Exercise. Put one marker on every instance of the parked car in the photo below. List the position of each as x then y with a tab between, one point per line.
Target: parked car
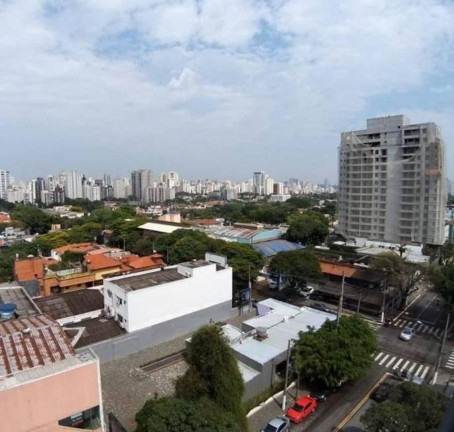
278	424
301	409
407	333
306	292
319	394
380	394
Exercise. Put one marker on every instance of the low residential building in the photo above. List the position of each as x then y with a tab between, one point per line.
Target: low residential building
261	345
72	307
38	277
148	298
45	386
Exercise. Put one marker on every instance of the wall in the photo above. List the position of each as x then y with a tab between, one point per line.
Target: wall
50	399
130	343
80	317
160	303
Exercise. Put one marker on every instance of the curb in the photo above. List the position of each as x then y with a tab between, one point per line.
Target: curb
269	400
360	404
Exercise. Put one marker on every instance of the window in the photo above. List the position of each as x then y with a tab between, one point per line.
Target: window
109	293
119	318
119	301
85	420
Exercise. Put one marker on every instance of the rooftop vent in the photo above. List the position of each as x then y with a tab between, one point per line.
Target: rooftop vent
26	330
261	333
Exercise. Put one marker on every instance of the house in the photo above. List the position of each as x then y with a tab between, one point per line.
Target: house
72	307
145	299
261	345
45	385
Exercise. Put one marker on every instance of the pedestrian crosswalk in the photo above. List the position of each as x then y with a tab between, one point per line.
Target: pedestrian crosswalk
450	362
419	327
399	364
375	325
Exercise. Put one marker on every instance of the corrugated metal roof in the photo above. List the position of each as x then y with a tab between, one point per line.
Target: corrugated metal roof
272	247
26	343
162	228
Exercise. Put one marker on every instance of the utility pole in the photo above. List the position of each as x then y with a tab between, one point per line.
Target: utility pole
341	299
359	303
383	307
442	348
284	398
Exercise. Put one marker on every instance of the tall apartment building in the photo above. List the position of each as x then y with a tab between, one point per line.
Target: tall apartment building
258	181
4	183
73	184
392	182
141	180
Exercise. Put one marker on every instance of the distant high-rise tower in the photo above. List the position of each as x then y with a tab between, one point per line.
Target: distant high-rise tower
258	181
73	184
4	183
141	180
392	182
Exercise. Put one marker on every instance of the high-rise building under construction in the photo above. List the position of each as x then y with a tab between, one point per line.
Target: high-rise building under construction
392	182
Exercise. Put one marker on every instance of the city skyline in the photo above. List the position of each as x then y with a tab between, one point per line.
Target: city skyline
119	85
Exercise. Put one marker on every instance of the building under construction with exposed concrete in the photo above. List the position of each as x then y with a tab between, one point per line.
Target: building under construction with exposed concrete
392	182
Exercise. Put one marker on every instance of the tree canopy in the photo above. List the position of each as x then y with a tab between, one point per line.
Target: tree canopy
409	408
442	278
213	373
181	415
297	266
330	356
32	218
398	273
309	228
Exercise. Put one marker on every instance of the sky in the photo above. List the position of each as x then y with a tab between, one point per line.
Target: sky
214	88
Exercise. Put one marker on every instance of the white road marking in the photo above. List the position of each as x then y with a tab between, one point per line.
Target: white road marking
383	359
417	326
435	333
423	375
378	356
391	361
398	363
405	365
419	370
449	367
425	328
397	323
412	367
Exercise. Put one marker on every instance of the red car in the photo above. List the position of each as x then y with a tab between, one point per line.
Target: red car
301	409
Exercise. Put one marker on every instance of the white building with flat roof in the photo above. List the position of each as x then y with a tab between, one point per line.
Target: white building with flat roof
148	298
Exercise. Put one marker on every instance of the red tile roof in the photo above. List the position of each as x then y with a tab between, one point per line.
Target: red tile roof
334	269
4	218
100	262
31	268
134	262
77	247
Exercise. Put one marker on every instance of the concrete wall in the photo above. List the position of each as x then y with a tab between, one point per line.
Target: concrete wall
45	401
205	287
139	340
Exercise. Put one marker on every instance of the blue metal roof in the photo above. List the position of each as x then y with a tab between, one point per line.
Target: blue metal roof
271	248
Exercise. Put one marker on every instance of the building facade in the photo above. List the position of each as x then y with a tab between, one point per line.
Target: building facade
392	182
4	183
141	180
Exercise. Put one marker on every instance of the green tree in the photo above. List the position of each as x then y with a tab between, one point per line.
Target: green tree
87	232
52	240
245	261
213	373
333	355
410	407
32	218
399	274
8	255
310	228
297	266
442	278
181	415
301	202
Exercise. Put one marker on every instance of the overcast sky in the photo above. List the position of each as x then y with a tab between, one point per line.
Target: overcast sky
214	88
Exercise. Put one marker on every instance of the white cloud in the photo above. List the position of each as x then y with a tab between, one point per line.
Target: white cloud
243	84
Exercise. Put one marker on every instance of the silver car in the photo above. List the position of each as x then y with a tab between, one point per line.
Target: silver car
278	424
407	333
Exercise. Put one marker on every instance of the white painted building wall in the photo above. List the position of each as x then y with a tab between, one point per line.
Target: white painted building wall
204	287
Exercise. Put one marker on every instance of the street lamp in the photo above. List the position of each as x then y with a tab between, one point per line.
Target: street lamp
284	399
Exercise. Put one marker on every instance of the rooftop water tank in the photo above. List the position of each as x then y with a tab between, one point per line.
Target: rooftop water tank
7	310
